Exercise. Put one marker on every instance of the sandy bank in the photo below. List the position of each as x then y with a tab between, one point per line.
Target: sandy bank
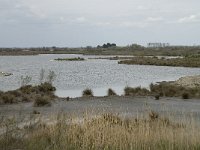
189	81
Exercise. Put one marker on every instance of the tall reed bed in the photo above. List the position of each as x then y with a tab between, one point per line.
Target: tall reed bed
107	131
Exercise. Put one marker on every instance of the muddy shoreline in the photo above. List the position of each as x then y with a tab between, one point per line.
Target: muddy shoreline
123	105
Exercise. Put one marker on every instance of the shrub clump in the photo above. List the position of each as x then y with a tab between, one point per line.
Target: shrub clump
87	92
185	95
46	87
138	91
42	101
171	90
38	94
157	97
111	92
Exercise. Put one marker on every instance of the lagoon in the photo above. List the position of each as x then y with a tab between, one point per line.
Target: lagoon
75	76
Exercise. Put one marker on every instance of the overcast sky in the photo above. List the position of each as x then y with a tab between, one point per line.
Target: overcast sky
74	23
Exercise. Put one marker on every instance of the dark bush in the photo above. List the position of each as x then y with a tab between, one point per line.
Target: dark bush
8	98
42	101
46	87
111	92
170	90
157	97
87	92
185	95
36	112
138	91
27	89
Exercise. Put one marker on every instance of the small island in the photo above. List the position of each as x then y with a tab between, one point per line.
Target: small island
5	74
70	59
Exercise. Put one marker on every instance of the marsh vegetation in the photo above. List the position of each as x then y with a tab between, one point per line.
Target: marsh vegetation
176	62
41	94
70	59
107	49
164	89
107	131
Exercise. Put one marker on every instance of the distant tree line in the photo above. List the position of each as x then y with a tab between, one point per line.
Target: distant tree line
108	45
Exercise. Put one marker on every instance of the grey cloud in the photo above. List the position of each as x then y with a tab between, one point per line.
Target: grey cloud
76	23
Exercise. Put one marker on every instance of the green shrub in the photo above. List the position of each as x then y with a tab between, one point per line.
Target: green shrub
87	92
138	91
27	89
185	95
42	101
46	87
157	97
127	91
170	90
26	98
8	98
111	92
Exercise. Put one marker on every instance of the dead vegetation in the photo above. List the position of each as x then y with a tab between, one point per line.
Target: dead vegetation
108	131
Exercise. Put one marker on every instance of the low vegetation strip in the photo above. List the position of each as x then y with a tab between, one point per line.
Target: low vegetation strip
41	95
108	132
164	89
134	49
70	59
176	62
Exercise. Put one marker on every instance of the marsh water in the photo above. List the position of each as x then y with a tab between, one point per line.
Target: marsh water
75	76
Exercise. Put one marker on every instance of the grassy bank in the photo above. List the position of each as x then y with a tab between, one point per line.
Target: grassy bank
177	62
108	132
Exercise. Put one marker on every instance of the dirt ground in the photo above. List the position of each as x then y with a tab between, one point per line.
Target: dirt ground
124	106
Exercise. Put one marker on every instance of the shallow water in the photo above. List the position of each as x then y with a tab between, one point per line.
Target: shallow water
99	75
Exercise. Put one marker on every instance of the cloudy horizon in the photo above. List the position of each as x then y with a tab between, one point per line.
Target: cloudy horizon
64	23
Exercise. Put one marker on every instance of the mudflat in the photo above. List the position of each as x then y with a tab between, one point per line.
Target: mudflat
125	106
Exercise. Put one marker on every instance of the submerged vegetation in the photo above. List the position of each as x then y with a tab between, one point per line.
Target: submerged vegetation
107	132
179	62
70	59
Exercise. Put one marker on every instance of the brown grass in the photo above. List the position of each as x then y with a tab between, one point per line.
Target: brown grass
107	132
